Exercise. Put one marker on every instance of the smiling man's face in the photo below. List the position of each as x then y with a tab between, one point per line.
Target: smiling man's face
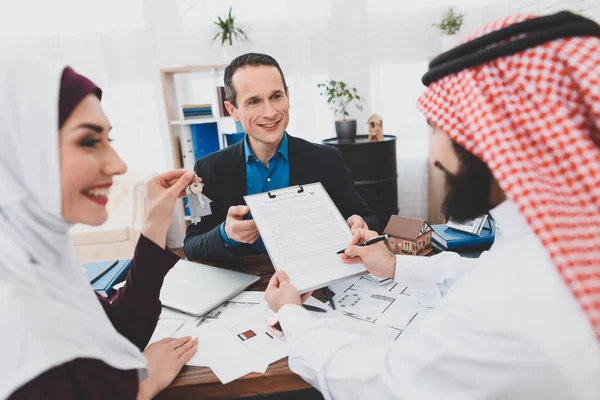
262	103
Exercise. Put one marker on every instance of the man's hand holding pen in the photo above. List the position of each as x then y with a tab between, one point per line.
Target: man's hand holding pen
377	258
369	242
375	255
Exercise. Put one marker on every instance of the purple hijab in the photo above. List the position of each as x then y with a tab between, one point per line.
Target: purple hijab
73	89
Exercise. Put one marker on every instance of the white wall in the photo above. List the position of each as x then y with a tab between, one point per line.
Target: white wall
588	8
380	46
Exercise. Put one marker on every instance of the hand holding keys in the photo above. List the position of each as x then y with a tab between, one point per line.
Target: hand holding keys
196	188
162	192
198	203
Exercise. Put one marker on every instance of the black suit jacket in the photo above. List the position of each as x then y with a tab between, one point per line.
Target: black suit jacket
224	176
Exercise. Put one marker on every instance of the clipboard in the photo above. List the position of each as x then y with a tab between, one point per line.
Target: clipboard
302	230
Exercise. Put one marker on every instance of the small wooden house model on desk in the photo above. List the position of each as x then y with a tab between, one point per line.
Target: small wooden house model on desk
408	236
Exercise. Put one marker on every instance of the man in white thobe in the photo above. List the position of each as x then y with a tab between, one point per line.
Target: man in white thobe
523	322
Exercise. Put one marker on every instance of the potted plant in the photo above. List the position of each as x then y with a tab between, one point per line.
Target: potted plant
449	26
339	97
230	36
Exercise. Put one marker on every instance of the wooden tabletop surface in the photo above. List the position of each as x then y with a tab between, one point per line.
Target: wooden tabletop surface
201	383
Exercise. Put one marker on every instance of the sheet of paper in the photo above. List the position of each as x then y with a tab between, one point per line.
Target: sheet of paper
341	286
236	343
376	279
228	371
170	323
219	351
253	334
165	328
383	310
311	301
173	323
236	307
302	233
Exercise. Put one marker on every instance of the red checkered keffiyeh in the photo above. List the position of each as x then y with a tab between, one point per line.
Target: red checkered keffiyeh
530	117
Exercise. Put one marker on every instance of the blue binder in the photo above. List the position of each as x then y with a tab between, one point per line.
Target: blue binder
233	138
205	138
103	286
186	209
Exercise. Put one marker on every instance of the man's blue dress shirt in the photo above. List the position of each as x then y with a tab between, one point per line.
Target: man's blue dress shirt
260	179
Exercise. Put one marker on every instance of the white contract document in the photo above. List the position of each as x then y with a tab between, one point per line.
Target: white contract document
302	230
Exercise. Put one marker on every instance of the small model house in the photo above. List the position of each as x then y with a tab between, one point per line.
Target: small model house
375	128
408	236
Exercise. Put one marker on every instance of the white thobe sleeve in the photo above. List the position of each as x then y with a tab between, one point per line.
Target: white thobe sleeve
451	355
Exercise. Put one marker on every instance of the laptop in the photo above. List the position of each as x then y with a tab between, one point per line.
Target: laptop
197	288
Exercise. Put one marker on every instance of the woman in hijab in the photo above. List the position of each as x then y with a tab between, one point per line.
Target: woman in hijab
60	340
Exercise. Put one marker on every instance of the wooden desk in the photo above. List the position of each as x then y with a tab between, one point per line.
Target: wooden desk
201	383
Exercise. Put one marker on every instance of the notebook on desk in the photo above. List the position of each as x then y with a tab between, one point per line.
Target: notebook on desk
197	288
94	270
103	285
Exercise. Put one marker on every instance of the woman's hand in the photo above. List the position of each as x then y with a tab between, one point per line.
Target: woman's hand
165	359
161	193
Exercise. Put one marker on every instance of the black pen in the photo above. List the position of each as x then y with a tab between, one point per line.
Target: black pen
105	270
368	242
329	297
313	308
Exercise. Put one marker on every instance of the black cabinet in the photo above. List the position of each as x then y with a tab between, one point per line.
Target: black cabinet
374	171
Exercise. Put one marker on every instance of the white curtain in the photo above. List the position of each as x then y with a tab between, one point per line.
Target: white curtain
382	47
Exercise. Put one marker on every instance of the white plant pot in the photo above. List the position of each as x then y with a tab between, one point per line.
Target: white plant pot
230	52
449	42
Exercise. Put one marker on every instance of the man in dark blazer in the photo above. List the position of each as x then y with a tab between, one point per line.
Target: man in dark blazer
267	159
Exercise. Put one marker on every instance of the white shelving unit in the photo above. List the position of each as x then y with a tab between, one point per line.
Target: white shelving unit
195	121
193	84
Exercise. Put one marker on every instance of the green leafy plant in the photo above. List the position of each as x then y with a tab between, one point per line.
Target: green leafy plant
340	96
451	22
227	31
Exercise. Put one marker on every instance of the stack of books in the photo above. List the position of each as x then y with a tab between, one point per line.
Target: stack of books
104	275
192	111
446	238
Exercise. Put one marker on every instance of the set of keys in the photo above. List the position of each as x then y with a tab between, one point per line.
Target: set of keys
198	203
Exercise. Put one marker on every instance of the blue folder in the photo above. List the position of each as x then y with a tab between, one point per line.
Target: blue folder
205	138
103	286
451	239
93	271
233	138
